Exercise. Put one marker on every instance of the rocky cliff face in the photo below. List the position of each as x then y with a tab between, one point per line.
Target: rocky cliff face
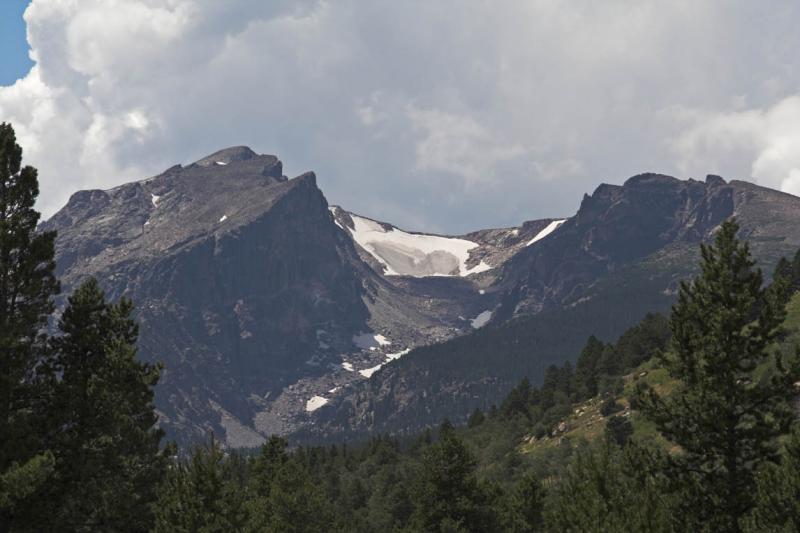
622	255
257	302
620	225
236	272
276	313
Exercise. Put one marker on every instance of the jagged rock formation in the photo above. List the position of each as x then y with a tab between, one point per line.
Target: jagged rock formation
622	255
275	313
254	299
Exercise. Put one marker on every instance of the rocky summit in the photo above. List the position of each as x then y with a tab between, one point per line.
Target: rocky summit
274	312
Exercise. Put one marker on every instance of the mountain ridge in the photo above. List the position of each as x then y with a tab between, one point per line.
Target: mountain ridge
277	313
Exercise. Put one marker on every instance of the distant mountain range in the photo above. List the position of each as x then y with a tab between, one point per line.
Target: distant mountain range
274	312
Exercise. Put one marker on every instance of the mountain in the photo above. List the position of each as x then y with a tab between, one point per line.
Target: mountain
274	312
622	255
251	292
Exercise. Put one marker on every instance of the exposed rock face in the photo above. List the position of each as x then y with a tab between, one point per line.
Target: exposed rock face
275	313
248	291
619	225
234	270
622	255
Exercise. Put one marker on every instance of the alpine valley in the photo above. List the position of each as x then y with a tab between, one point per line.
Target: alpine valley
276	313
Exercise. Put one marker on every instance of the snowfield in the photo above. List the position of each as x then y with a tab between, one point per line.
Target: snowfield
546	231
481	320
315	403
413	254
369	371
370	341
397	355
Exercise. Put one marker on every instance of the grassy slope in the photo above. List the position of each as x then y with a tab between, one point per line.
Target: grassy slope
587	423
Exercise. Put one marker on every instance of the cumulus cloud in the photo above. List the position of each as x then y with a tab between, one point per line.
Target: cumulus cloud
446	115
764	141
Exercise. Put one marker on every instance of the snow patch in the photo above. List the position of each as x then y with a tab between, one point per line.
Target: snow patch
396	355
546	231
414	254
155	198
333	212
334	390
483	266
315	403
348	367
222	163
370	341
369	371
224	218
481	291
481	320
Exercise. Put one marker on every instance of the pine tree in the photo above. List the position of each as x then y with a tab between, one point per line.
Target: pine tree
285	497
586	368
618	430
724	418
27	288
789	271
609	489
448	495
778	492
108	463
201	495
476	418
526	506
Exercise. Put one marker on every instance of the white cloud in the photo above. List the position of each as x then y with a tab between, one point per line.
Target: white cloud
458	144
444	115
768	139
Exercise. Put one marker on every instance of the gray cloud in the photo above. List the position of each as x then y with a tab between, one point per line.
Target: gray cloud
447	115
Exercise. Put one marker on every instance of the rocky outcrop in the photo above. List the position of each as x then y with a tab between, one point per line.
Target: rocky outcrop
271	317
234	269
620	225
248	292
622	255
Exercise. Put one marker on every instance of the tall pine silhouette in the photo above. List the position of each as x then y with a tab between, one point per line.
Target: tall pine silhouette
734	392
27	288
106	442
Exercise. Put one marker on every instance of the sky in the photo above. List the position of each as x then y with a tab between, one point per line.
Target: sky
443	116
14	60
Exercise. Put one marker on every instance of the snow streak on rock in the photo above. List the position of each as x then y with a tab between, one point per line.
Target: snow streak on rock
550	228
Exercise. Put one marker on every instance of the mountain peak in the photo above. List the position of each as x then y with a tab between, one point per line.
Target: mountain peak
227	155
649	178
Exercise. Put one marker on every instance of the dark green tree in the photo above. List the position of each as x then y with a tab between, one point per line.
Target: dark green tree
778	492
643	341
516	402
607	488
725	418
447	495
105	438
618	430
526	506
586	368
789	271
27	288
285	497
201	495
476	418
